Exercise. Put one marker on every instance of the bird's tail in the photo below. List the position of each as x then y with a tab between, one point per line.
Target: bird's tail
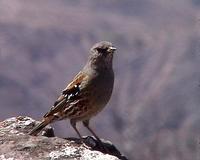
40	126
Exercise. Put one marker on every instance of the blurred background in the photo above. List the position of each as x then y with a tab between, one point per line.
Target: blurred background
154	110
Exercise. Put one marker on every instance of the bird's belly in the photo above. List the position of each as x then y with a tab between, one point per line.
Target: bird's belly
96	100
88	110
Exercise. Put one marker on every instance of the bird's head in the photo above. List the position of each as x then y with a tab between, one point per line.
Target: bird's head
101	54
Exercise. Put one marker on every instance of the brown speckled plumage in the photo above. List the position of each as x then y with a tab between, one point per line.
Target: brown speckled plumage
87	94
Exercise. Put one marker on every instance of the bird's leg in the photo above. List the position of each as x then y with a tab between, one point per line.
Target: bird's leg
73	124
103	148
86	124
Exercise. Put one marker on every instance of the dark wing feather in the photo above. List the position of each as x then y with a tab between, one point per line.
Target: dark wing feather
69	94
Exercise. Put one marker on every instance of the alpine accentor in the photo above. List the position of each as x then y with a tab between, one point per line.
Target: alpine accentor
87	94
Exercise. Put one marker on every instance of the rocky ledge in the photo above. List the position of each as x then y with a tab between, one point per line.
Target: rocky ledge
16	144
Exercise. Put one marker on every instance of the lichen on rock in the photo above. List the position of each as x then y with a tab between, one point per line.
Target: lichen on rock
16	144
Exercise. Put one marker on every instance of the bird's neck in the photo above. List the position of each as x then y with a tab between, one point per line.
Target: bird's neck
99	64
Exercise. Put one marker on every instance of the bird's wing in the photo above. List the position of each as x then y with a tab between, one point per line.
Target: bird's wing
69	94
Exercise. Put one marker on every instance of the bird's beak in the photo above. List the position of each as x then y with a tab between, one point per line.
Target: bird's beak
112	49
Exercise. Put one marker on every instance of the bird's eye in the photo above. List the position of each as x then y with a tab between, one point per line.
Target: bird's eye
102	50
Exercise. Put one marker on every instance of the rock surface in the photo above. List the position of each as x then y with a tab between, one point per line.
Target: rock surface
16	144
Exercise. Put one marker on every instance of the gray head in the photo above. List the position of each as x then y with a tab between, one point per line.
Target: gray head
101	55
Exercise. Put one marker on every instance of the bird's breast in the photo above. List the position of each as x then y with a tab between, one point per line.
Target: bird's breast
102	87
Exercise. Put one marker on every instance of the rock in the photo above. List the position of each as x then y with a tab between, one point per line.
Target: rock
16	144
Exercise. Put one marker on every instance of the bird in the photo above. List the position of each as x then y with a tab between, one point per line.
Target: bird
87	94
